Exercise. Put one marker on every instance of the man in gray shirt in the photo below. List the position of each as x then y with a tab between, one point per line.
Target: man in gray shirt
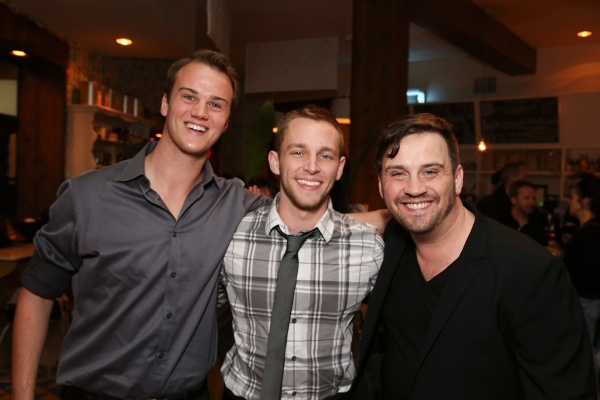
141	242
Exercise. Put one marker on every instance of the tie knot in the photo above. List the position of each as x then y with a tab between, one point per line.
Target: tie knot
295	242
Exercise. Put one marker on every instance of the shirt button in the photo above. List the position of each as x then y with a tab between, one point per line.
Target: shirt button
174	234
294	358
294	321
160	355
173	274
293	393
145	182
169	315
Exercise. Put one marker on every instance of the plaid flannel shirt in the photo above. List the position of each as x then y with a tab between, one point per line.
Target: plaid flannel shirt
337	269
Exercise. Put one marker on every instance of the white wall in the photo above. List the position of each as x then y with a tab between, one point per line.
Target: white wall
8	97
572	73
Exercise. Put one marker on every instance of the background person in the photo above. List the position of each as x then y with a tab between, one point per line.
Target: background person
582	255
497	205
524	216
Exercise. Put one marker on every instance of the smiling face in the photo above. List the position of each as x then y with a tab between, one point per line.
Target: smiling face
308	163
418	185
197	112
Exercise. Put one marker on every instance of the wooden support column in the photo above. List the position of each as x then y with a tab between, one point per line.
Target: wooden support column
41	137
379	82
41	110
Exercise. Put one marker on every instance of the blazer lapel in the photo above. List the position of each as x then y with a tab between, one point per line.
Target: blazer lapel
470	263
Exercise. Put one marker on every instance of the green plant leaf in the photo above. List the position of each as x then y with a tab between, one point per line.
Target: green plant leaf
259	137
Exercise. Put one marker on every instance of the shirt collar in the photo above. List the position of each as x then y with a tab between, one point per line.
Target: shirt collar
325	224
136	167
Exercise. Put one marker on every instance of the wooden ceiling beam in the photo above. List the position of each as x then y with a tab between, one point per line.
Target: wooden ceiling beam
466	26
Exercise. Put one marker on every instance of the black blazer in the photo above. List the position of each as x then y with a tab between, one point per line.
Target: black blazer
508	325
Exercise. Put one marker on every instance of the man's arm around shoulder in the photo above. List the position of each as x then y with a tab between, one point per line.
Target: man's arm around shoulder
29	334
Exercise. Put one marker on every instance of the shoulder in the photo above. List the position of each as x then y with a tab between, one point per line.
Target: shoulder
510	249
94	180
347	227
252	220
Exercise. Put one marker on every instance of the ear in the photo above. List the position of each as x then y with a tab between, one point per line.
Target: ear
340	170
164	106
274	162
513	200
458	179
380	186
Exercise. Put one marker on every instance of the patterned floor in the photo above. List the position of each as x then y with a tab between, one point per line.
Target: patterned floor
46	388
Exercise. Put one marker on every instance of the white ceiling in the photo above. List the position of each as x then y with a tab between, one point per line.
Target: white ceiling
160	30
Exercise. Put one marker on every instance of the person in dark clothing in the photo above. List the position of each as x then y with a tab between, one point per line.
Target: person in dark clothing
524	215
463	307
582	255
497	205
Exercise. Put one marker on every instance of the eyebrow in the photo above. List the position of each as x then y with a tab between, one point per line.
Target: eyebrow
303	146
424	166
193	91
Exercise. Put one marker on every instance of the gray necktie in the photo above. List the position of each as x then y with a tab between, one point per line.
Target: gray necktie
280	316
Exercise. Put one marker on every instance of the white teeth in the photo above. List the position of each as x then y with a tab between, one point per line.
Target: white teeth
416	206
196	127
308	183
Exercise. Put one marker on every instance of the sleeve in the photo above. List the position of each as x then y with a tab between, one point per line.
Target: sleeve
222	288
549	337
253	201
56	257
377	260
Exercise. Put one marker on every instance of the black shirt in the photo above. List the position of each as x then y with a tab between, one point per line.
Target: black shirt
534	228
407	313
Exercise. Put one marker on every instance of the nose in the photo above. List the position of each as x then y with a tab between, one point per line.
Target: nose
312	165
414	187
200	110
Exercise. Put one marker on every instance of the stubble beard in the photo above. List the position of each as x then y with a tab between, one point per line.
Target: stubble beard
419	225
297	202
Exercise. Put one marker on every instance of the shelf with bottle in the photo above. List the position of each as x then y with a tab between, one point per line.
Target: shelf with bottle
98	136
582	160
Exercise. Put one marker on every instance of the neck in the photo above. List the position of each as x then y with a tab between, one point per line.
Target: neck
168	166
298	220
521	218
584	216
440	248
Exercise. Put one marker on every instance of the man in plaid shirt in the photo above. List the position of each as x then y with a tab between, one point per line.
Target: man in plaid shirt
338	266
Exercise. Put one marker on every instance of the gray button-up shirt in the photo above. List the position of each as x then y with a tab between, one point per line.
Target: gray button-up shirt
144	283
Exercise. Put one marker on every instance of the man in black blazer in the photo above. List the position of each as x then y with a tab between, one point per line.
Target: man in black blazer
464	307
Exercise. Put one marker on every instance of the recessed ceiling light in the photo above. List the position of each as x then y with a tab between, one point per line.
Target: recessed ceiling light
18	53
584	33
124	41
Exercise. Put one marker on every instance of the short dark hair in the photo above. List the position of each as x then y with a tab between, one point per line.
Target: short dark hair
511	169
389	142
310	111
587	185
207	57
513	191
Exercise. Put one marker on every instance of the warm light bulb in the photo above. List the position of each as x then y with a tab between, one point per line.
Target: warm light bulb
124	41
18	53
584	33
482	146
275	130
158	135
344	121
